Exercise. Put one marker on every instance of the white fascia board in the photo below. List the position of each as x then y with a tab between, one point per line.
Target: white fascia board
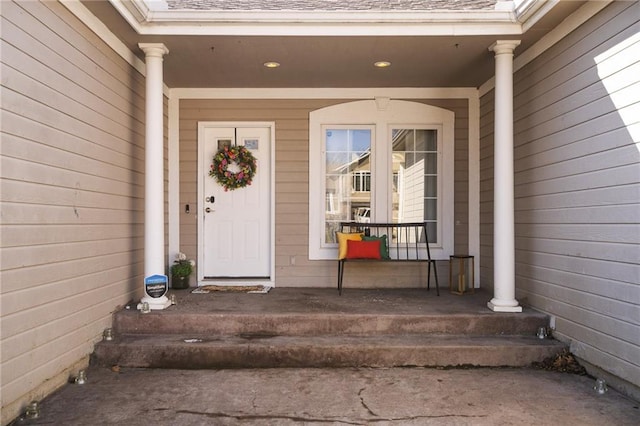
139	8
526	8
159	21
269	16
154	4
327	93
327	30
134	12
323	29
535	12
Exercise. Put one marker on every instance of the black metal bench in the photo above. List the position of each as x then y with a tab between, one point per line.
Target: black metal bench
406	242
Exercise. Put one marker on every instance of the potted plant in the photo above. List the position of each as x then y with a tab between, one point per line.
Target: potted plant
180	271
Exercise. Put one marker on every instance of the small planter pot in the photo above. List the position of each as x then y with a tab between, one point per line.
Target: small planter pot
179	282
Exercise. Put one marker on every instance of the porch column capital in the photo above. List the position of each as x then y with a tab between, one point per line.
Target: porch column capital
154	49
504	287
154	259
502	47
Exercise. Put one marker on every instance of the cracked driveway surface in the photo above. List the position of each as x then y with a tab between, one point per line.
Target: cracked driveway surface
395	396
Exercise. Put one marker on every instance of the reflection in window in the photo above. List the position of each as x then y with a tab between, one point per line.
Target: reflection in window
361	181
415	177
347	176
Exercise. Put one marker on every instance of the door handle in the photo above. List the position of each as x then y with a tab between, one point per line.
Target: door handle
208	210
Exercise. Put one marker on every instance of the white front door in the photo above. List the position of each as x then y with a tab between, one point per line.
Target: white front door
235	225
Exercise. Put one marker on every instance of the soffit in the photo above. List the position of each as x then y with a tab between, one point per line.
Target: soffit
230	60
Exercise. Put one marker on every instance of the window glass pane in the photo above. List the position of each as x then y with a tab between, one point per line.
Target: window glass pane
432	228
415	177
430	209
426	140
431	186
347	178
403	139
432	163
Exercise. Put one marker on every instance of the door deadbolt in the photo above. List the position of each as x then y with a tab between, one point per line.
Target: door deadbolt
211	199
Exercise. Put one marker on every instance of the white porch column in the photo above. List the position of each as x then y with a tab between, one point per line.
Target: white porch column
154	170
504	286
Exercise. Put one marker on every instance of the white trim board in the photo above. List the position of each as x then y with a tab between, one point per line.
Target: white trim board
473	189
327	93
173	184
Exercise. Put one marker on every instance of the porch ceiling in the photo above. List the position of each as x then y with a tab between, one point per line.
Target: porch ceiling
202	55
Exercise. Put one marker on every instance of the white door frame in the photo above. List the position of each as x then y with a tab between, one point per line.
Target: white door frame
200	209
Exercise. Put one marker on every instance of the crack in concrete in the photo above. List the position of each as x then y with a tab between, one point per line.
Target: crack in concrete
240	417
435	416
364	404
359	422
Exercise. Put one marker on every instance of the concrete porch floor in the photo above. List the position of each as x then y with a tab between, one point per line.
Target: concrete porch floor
334	396
411	301
347	396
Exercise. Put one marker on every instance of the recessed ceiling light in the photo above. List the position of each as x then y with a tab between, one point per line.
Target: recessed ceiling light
382	64
271	64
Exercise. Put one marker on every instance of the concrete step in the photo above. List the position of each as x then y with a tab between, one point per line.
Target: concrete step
332	323
206	351
318	328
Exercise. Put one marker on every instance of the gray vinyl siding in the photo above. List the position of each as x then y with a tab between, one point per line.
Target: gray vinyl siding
72	193
291	119
577	189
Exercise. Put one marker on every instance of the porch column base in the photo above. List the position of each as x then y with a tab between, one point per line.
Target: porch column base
155	303
504	305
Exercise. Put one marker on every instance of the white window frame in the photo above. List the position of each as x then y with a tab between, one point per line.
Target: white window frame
383	117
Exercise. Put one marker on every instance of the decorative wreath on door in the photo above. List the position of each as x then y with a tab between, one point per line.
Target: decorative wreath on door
233	167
